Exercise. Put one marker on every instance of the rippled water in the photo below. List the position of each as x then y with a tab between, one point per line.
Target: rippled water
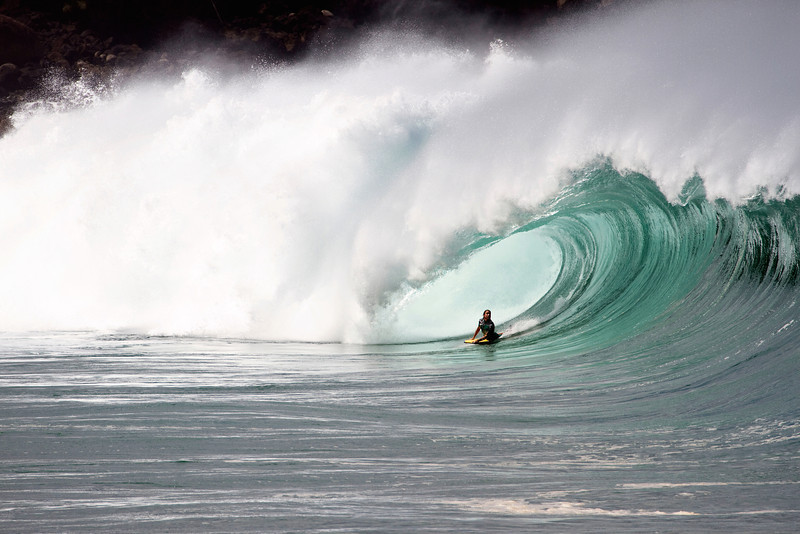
180	435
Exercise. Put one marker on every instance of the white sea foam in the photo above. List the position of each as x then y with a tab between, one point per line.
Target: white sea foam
554	508
288	204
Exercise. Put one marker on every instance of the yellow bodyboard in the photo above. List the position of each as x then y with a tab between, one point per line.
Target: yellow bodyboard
482	341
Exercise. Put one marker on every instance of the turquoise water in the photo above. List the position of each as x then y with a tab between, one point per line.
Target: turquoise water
239	305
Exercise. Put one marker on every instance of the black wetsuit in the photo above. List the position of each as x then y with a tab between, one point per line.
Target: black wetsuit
487	328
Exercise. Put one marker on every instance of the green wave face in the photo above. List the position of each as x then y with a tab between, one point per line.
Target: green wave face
704	274
509	274
692	305
615	272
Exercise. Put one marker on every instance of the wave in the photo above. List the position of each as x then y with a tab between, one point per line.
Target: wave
590	185
637	263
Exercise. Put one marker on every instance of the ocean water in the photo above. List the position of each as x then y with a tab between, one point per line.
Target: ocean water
237	303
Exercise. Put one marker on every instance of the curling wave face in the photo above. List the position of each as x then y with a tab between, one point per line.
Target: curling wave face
639	267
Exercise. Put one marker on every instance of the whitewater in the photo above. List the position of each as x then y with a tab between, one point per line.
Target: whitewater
237	302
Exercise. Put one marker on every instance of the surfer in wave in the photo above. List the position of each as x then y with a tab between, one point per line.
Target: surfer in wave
486	326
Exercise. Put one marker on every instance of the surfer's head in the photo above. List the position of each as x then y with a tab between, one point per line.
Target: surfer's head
487	314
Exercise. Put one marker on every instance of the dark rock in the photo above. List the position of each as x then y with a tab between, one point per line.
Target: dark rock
9	76
29	77
18	43
5	123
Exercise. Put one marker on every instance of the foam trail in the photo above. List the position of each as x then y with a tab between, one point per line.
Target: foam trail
290	204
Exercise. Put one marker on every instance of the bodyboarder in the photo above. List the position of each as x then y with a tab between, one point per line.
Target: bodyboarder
486	326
